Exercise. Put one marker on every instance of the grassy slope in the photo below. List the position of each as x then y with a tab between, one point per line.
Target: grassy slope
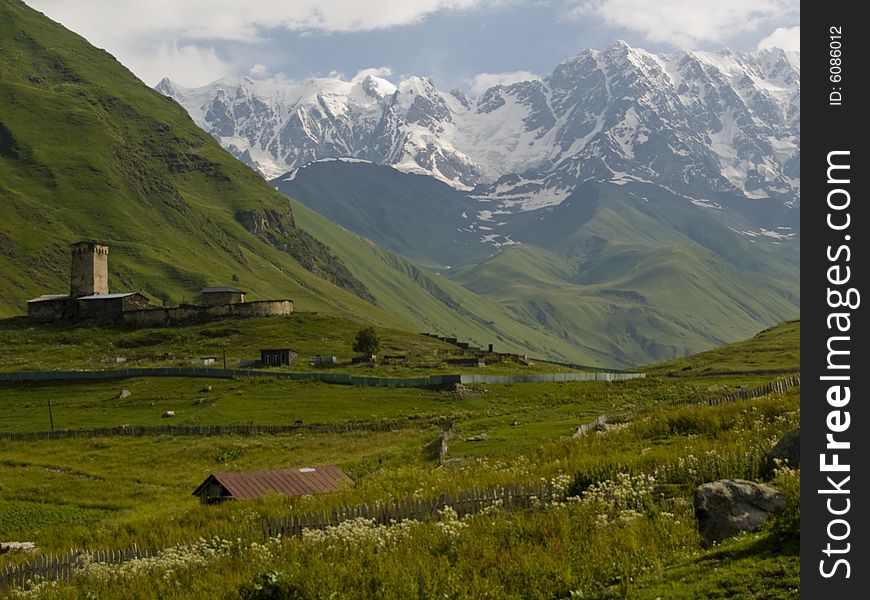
772	350
638	279
89	151
435	303
413	215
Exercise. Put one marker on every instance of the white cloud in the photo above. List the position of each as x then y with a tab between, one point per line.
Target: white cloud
483	81
383	72
151	37
189	65
787	38
259	71
243	21
689	24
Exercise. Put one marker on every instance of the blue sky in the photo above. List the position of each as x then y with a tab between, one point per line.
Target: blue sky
460	43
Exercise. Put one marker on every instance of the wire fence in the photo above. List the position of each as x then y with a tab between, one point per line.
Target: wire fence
333	378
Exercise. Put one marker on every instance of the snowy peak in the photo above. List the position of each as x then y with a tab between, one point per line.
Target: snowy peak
697	123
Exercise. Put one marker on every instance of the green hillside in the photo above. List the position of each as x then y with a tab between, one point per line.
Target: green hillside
89	151
774	350
640	276
620	275
416	216
640	279
435	303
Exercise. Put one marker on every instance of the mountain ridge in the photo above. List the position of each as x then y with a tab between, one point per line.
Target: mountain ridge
694	122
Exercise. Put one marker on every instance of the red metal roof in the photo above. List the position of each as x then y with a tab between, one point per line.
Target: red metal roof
291	482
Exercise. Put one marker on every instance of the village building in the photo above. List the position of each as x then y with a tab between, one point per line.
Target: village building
256	484
89	298
278	357
212	296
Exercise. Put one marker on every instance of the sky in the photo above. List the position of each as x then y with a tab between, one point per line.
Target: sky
465	44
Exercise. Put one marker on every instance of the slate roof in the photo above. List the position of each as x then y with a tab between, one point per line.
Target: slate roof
108	296
230	290
290	482
48	297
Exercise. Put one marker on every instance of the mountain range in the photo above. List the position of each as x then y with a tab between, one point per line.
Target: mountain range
696	123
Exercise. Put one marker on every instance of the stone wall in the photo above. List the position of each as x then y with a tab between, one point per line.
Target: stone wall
105	310
215	298
191	314
50	310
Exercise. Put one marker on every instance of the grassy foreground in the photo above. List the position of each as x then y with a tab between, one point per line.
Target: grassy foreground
618	526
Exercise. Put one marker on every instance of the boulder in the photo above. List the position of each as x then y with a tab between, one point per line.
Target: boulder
727	507
124	394
788	449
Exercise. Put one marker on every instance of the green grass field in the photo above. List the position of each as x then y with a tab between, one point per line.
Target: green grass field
53	347
113	492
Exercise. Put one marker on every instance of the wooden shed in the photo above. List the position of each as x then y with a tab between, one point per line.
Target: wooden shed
276	357
256	484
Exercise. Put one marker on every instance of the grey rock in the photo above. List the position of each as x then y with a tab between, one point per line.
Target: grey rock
788	449
728	507
124	394
168	414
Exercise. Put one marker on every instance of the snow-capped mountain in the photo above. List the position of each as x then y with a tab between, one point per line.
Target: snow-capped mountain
696	123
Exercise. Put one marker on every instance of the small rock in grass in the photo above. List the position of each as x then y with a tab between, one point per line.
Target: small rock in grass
727	507
124	394
206	389
788	450
168	413
476	438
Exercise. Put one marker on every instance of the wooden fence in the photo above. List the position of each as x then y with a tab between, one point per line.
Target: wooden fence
508	498
208	430
61	567
779	386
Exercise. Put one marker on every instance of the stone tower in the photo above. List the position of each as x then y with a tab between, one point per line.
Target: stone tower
89	274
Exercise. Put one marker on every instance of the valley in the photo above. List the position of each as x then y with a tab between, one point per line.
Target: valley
508	344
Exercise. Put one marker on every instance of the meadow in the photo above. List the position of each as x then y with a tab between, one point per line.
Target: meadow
60	346
619	525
